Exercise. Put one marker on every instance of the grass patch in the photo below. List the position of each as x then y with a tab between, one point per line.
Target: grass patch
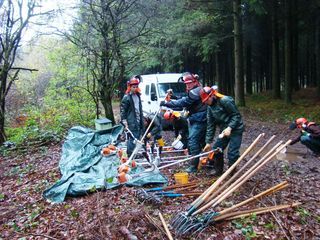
263	107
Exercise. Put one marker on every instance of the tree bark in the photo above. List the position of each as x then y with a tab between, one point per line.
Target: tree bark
238	54
275	52
317	50
248	68
295	46
288	53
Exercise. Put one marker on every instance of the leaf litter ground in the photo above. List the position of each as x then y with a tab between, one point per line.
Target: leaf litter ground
117	214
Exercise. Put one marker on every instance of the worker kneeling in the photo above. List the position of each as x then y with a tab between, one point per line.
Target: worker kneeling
223	113
309	134
180	127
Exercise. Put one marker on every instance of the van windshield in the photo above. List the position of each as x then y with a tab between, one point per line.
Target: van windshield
179	89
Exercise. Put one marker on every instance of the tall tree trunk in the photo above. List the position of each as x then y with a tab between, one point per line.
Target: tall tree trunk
106	102
248	68
218	72
317	50
3	82
295	38
288	53
275	52
238	54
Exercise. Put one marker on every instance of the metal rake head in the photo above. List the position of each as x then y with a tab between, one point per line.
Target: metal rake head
144	196
179	219
193	225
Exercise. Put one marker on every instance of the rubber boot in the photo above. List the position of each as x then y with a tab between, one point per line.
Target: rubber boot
193	167
218	164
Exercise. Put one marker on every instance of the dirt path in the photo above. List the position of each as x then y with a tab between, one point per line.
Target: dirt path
117	214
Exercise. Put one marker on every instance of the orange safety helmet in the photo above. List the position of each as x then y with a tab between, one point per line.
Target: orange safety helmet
300	122
171	115
205	93
135	80
168	115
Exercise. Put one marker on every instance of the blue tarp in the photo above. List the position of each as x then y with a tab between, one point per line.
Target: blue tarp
84	169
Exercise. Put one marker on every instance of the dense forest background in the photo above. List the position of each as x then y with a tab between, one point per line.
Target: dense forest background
248	48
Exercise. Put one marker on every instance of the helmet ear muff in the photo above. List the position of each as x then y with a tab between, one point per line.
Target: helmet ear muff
304	125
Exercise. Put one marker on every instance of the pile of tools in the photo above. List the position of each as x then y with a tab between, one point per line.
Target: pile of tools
155	195
192	221
150	160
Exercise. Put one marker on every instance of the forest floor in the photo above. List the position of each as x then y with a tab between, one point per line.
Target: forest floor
117	214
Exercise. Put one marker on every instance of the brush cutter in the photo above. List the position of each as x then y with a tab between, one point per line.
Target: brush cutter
192	157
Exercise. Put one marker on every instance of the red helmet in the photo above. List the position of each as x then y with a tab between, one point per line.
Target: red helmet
134	81
191	80
168	115
301	121
205	93
189	77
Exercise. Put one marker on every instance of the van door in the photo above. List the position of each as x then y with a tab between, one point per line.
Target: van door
153	104
149	98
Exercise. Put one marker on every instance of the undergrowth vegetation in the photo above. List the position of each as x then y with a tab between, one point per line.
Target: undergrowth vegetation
52	121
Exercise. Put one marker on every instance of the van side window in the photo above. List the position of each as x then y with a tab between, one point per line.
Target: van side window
147	90
153	92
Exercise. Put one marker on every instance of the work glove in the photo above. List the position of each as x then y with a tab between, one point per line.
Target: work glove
162	103
179	137
207	147
124	123
149	135
304	133
160	142
227	132
170	91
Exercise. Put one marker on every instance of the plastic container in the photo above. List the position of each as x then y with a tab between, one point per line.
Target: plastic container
177	144
181	178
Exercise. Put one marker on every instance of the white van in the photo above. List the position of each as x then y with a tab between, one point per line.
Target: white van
154	89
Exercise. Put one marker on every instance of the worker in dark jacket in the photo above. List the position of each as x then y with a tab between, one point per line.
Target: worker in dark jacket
180	126
223	113
131	112
309	134
155	130
197	116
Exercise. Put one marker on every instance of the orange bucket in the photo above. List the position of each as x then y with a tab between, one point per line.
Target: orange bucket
181	178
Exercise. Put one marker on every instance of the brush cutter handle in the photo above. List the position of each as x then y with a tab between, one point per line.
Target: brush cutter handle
187	159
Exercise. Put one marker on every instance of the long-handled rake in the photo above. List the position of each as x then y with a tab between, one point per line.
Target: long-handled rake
236	175
197	224
240	181
183	219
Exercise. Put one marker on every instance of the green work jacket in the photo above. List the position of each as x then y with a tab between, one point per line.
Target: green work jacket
224	113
